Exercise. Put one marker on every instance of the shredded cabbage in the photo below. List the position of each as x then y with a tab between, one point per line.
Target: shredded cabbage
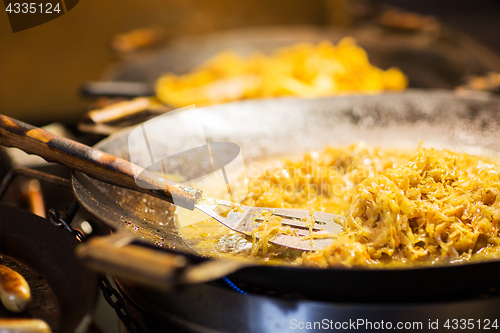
400	206
426	206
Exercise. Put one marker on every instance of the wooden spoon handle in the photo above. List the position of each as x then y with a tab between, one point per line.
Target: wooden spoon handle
115	255
93	162
154	268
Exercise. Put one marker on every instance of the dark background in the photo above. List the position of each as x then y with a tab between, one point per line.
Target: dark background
478	18
42	68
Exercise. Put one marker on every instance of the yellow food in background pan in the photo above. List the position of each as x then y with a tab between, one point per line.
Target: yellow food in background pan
303	70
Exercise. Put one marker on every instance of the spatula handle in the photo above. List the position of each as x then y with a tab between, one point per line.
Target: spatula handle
91	161
150	267
154	268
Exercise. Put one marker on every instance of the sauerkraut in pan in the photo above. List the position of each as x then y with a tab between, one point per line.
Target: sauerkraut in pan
401	207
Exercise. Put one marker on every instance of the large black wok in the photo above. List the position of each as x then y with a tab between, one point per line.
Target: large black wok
266	128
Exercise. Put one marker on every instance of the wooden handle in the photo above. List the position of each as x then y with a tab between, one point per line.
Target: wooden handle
93	162
158	269
114	255
119	110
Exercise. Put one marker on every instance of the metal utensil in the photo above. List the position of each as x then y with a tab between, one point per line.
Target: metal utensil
245	219
114	170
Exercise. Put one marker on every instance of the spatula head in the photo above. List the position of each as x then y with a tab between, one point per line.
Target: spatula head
245	219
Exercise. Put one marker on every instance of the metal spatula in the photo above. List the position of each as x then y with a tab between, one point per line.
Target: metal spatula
114	170
245	219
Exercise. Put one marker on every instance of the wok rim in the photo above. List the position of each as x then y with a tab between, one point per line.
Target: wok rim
259	273
76	184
